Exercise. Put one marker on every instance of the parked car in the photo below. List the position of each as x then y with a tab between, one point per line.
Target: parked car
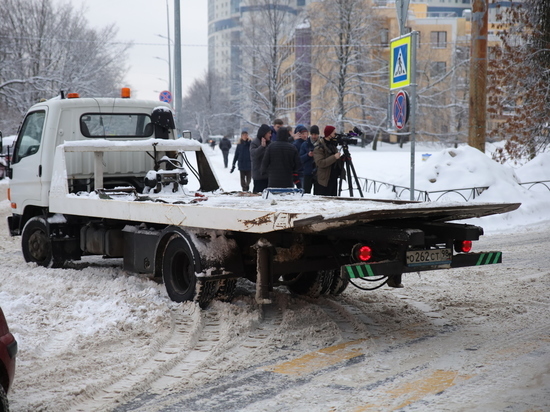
8	351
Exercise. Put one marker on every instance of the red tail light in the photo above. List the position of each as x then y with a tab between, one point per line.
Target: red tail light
464	246
362	253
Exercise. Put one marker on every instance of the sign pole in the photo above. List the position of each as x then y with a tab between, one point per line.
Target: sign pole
412	129
177	66
402	8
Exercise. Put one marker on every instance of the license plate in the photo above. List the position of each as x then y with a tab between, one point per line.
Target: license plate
429	257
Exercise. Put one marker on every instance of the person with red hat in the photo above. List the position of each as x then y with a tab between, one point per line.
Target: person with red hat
328	162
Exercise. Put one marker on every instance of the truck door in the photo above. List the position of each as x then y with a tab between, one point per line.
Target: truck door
26	183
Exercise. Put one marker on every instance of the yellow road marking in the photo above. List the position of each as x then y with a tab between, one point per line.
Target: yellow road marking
436	382
320	359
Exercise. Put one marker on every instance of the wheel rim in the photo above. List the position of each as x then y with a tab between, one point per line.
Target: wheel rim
39	245
180	264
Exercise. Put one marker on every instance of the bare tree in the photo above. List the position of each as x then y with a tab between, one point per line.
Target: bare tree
268	26
207	108
348	64
442	105
46	48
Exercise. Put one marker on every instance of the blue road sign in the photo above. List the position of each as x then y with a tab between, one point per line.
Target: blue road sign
165	96
400	110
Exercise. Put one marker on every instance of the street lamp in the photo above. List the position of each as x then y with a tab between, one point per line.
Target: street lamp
169	47
169	71
169	61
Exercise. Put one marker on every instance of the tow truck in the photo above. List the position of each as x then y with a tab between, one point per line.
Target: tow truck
109	177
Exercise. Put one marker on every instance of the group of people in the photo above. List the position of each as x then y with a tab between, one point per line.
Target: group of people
282	157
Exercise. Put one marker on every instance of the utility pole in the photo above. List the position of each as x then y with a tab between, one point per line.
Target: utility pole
169	48
177	65
478	75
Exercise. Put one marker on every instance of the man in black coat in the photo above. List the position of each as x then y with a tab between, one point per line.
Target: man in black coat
258	147
281	161
225	146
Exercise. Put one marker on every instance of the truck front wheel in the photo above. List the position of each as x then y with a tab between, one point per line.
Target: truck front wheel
37	244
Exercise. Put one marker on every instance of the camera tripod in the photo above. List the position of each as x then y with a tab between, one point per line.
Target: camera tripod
346	157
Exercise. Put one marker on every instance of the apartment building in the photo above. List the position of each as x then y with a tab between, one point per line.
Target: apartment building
227	20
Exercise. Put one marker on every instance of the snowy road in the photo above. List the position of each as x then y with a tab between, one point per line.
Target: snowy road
94	338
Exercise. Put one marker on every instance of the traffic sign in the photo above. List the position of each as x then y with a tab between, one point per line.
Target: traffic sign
401	110
165	96
400	62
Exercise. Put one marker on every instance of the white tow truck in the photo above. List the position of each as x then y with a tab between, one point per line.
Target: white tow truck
107	176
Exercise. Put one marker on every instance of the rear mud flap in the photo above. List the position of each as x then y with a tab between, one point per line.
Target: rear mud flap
476	259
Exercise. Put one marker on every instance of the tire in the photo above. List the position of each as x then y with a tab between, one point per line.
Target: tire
179	263
36	243
339	283
206	291
226	290
328	277
308	284
4	406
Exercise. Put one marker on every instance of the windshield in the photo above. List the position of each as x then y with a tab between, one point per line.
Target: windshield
116	125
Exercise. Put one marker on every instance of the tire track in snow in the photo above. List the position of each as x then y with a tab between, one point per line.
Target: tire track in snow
190	342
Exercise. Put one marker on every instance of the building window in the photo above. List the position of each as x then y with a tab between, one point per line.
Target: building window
438	39
385	37
438	69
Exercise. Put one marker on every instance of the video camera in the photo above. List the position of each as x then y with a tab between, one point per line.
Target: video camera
345	139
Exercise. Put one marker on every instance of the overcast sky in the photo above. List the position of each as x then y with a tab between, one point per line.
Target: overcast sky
141	21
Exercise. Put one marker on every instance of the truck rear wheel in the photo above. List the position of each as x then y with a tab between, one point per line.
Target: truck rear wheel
339	283
226	290
311	284
37	244
178	269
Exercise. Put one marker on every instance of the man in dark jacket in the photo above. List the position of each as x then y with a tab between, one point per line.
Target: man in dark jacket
277	124
242	156
300	136
225	146
257	152
306	157
281	161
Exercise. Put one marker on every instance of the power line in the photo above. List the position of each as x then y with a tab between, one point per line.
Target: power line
243	46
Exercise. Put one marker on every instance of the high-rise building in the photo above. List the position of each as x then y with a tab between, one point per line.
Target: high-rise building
225	30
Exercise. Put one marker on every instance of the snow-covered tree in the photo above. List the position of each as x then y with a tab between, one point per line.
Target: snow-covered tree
207	108
46	47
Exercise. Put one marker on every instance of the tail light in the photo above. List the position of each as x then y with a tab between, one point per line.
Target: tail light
463	246
361	253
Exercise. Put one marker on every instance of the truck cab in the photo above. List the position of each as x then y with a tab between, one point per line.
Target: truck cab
59	120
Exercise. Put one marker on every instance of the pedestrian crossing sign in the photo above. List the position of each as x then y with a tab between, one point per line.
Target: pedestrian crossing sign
400	62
